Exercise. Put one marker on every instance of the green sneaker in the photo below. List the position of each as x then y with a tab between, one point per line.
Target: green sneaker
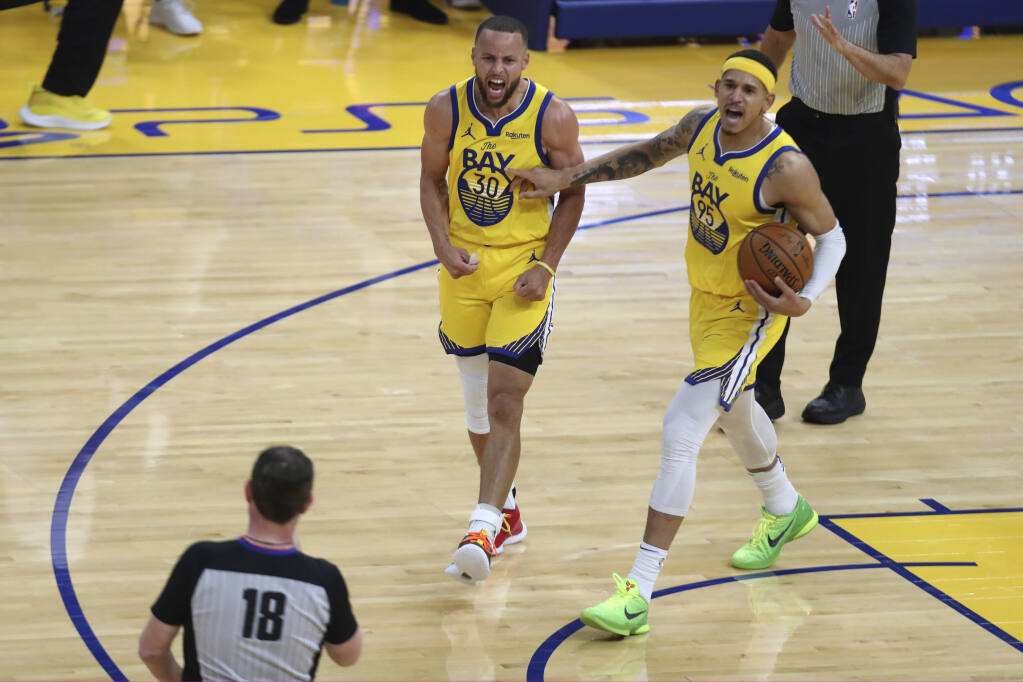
771	533
624	613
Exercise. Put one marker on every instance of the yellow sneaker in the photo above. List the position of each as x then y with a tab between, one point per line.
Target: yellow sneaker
47	110
623	613
771	532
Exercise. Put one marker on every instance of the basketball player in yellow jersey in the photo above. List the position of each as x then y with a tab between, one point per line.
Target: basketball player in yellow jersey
742	169
498	254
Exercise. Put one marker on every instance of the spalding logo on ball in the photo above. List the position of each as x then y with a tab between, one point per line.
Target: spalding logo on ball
776	250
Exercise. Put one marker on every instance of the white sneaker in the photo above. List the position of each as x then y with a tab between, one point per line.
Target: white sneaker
175	17
471	561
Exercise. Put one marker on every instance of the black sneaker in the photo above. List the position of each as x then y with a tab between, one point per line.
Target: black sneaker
290	11
835	404
770	399
420	10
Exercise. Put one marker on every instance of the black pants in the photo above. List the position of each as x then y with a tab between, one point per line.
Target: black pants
81	46
857	159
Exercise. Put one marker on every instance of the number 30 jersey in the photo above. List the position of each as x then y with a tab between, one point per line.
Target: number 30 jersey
482	209
251	613
726	203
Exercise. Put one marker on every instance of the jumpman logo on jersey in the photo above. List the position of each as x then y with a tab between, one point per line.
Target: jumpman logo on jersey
737	306
532	258
468	132
702	149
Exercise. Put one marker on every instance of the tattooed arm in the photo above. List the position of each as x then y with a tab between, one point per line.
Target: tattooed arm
624	162
792	181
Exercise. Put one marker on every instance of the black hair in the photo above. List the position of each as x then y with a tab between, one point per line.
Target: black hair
282	480
504	24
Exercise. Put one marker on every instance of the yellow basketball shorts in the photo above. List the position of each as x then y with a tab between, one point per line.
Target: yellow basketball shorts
481	313
730	336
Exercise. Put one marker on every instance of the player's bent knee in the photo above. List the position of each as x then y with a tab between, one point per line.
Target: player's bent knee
505	408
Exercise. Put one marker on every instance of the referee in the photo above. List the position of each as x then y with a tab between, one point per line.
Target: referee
255	608
851	58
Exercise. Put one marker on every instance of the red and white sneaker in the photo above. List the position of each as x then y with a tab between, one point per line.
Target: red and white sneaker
512	529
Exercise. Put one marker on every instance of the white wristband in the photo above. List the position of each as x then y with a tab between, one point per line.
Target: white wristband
827	256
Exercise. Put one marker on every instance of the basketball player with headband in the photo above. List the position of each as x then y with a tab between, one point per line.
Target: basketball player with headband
744	171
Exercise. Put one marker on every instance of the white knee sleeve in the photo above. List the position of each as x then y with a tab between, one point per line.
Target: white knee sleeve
750	432
473	370
689	418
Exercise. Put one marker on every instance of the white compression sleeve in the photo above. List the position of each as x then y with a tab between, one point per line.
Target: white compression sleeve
750	432
687	422
827	256
473	370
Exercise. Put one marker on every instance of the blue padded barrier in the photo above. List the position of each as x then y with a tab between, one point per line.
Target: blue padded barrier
579	19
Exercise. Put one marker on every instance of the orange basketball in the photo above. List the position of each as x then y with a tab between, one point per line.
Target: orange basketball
776	249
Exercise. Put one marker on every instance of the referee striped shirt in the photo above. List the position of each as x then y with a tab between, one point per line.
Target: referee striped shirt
821	77
251	613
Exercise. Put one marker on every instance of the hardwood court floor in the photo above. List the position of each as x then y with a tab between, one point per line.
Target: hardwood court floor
172	305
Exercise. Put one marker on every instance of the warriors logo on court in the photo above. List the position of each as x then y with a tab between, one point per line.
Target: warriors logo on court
484	186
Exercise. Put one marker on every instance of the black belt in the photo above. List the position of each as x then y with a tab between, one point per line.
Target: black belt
810	111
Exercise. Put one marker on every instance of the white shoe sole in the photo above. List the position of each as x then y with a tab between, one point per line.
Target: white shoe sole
471	562
453	572
179	31
59	121
512	539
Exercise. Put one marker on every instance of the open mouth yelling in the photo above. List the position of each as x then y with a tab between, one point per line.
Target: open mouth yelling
496	88
732	115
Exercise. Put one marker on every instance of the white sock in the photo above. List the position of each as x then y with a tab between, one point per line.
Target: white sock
646	568
779	496
485	517
510	502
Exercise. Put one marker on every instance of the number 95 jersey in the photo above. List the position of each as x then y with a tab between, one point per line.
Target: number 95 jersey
482	209
726	203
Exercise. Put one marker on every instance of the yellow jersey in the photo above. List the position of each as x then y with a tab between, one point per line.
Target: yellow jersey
482	209
726	203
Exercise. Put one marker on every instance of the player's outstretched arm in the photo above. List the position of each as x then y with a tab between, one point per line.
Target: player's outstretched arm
433	185
625	162
561	144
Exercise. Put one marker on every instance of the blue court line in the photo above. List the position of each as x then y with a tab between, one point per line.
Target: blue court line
58	525
937	131
538	663
935	505
62	505
900	569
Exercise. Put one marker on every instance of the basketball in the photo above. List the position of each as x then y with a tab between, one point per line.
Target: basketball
776	249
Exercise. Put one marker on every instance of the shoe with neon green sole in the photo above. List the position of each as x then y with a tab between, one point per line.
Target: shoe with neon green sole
49	110
771	533
624	613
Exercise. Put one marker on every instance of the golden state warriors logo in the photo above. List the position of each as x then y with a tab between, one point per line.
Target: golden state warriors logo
706	220
483	185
